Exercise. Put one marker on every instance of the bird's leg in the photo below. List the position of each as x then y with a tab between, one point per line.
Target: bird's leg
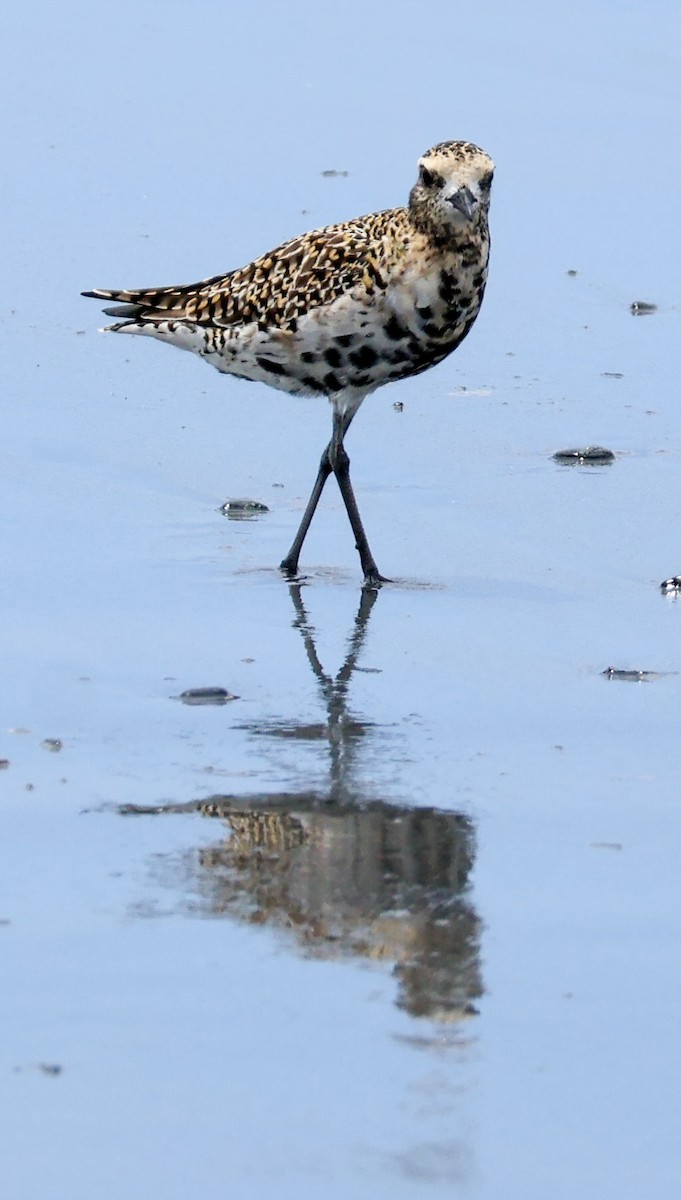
340	465
290	564
335	459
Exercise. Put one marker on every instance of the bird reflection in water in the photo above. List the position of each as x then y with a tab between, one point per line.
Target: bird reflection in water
343	874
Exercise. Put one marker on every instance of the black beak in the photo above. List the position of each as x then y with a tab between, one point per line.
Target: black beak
464	201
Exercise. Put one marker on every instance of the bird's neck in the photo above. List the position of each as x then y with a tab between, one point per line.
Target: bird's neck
446	237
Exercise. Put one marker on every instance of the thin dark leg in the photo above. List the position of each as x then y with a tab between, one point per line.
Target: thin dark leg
341	469
290	564
335	459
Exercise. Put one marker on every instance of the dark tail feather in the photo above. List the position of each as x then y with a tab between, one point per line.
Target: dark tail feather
163	298
122	310
106	294
149	303
140	308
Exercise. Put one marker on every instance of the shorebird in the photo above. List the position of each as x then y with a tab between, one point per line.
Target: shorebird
342	310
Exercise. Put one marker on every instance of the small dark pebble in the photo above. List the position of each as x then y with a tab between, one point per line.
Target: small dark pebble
50	1068
612	374
206	695
398	406
671	587
242	510
571	273
4	763
630	676
640	308
591	455
53	744
332	174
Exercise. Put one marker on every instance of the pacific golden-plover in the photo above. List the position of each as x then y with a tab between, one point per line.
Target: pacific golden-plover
342	310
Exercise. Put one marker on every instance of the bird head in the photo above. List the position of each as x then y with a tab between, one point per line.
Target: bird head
452	193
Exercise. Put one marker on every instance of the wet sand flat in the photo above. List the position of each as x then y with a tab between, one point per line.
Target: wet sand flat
391	908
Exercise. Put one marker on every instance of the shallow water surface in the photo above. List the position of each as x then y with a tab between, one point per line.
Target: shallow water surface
399	915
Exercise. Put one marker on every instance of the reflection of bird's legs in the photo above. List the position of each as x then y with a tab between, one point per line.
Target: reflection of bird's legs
355	642
303	624
341	729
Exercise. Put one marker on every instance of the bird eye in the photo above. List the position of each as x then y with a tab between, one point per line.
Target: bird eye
427	177
486	181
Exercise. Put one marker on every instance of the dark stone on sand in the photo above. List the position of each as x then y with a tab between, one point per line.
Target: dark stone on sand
206	695
584	455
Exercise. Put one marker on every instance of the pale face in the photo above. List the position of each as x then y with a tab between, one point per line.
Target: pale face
452	192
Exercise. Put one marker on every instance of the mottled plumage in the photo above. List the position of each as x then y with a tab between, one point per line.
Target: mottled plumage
341	310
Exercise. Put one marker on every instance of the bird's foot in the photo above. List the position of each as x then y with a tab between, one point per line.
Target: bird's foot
373	580
289	568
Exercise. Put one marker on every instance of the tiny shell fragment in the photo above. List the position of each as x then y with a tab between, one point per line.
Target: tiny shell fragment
641	308
242	510
631	676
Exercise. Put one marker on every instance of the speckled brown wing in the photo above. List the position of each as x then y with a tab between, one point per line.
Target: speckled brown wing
276	289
